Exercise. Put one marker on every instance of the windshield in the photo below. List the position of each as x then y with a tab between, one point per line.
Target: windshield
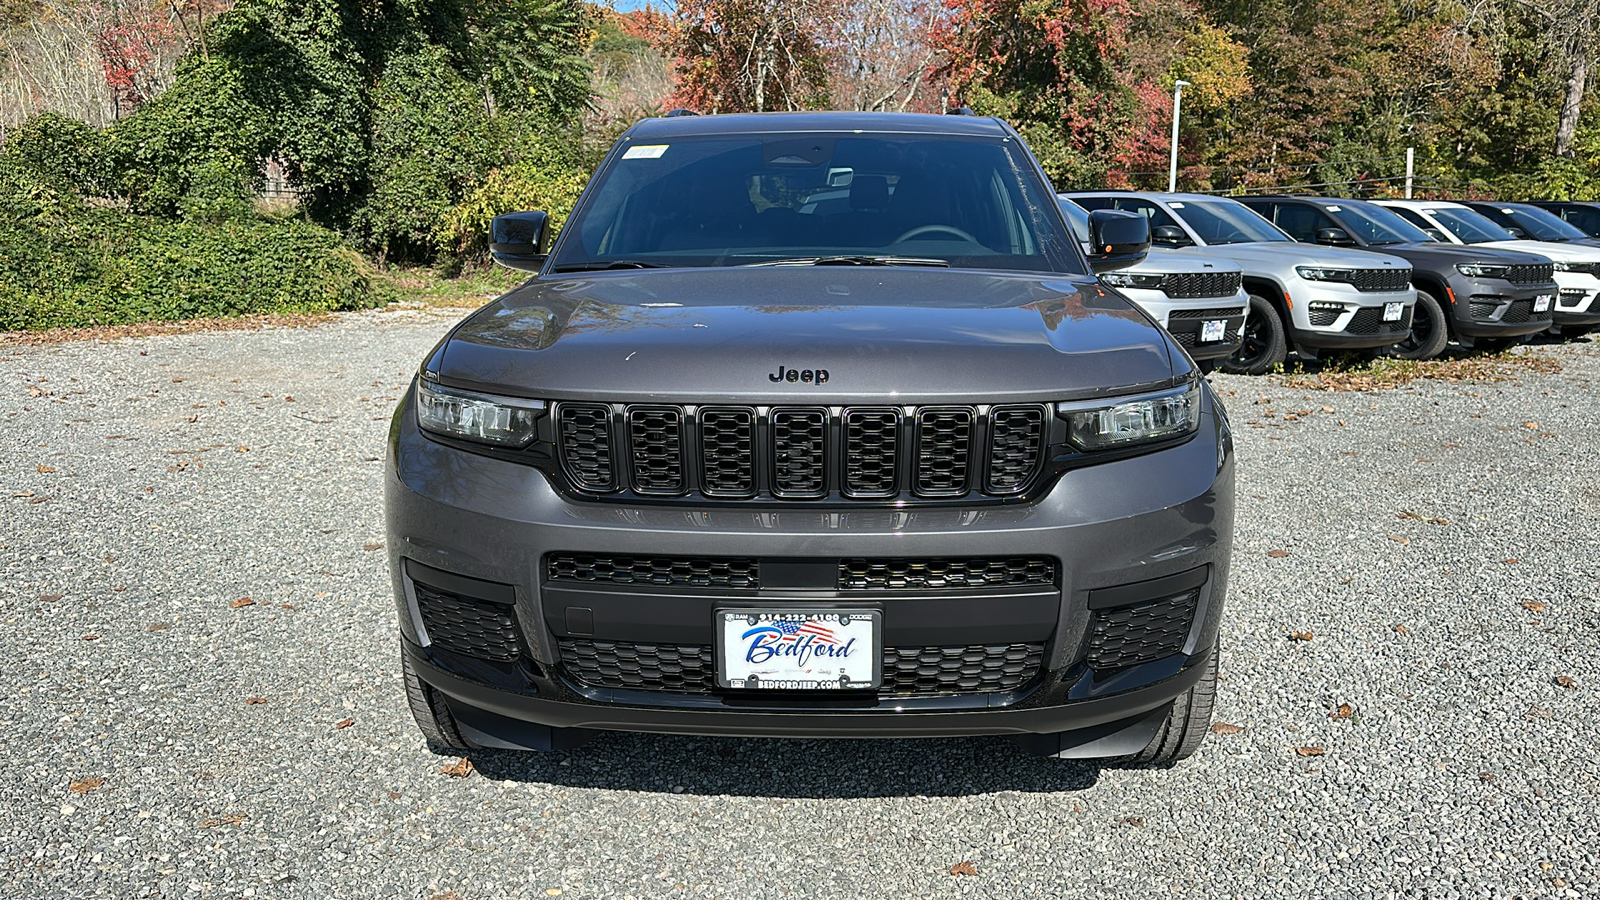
1470	226
1539	224
1226	222
797	197
1376	225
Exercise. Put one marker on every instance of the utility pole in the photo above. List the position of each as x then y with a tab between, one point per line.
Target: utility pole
1177	110
1411	168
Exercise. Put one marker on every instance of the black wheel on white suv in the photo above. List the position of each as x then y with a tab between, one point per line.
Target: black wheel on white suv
1264	344
1429	333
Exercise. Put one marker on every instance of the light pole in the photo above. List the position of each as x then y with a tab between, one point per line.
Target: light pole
1177	109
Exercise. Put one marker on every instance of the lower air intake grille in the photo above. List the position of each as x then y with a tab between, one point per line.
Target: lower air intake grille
472	627
1125	636
1369	320
907	671
1015	436
685	571
933	574
1519	311
1322	318
1483	310
1224	312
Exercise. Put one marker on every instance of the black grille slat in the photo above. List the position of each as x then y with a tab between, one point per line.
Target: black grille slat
799	452
944	450
1202	284
1223	312
1131	635
466	625
871	452
1380	280
1322	318
1482	310
727	451
655	445
1016	439
1531	274
907	671
586	446
938	573
734	572
1518	311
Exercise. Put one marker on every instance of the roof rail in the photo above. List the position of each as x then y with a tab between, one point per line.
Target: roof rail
681	112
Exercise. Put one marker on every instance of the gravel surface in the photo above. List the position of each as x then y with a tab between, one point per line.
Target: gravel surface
164	738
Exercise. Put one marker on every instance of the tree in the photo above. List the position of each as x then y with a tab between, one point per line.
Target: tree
751	55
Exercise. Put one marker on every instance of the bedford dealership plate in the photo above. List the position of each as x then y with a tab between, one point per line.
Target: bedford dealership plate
799	649
1393	312
1542	302
1213	330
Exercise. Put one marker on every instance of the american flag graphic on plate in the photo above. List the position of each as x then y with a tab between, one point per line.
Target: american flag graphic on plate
798	649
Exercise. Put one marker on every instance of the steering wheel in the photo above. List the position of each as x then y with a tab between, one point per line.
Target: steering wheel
927	229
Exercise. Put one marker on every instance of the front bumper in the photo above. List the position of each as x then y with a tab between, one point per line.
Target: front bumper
1356	324
1185	319
1579	302
1123	532
1493	308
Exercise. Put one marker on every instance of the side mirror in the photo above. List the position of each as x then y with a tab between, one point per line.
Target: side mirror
517	240
1435	234
1335	237
1117	239
1516	232
1171	236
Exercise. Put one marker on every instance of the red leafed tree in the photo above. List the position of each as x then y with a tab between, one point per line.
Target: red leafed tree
139	43
752	55
1060	71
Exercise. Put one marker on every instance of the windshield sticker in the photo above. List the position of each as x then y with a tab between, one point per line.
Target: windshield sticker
645	151
1334	209
1176	205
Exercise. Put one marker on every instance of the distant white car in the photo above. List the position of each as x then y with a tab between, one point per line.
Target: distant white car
1200	302
1577	266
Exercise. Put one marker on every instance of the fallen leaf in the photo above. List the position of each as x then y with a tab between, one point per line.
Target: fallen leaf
91	637
287	606
378	546
1531	425
241	602
461	768
1225	728
1537	712
235	819
43	469
1135	821
159	626
1327	409
1279	553
44	499
85	785
1301	636
447	895
1567	681
965	867
1401	629
344	723
1533	606
1431	520
1400	540
254	701
49	598
1510	562
1310	751
1343	712
242	449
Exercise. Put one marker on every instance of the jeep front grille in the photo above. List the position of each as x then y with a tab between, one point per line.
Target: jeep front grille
801	453
1202	284
1535	274
1380	280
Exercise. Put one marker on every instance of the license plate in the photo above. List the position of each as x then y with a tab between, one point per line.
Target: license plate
1393	311
1542	302
799	649
1214	330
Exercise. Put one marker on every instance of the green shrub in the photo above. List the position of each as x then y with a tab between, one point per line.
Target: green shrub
544	181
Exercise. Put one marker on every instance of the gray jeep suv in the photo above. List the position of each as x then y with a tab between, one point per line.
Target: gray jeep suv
813	425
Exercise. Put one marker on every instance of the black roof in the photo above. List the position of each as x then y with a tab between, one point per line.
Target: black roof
783	122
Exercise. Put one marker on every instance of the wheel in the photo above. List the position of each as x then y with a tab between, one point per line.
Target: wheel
1187	723
1568	332
1264	345
432	715
1429	331
1206	366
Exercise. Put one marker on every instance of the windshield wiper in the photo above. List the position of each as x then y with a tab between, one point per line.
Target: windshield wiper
853	261
613	264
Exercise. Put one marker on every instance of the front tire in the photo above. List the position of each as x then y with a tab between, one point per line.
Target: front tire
1429	332
432	715
1568	332
1187	722
1264	344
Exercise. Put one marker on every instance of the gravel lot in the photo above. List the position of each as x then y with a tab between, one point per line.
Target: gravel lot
150	483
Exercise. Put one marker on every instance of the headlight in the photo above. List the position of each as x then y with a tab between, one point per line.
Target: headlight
1094	425
502	421
1483	270
1322	273
1133	280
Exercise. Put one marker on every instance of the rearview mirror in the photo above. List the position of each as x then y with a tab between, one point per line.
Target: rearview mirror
1335	237
517	240
1117	239
1171	236
1435	234
1516	232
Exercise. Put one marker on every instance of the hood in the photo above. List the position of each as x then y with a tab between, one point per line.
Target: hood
1423	253
1562	252
1172	262
884	334
1275	255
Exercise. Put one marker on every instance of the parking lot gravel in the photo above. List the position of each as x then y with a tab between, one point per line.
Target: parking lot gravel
200	692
